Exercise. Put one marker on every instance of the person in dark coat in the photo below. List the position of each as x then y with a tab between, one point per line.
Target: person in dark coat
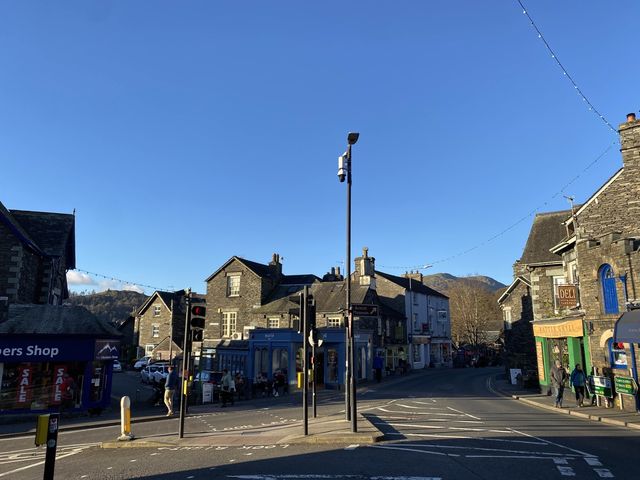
558	381
378	364
170	386
578	381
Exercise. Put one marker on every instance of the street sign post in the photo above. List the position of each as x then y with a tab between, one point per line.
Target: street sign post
364	310
602	386
626	385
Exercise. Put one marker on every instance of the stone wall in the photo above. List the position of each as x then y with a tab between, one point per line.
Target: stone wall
543	292
19	270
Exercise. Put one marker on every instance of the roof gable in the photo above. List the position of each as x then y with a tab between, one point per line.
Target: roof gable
258	269
547	231
20	233
519	279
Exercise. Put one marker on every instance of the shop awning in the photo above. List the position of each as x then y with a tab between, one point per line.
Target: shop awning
627	329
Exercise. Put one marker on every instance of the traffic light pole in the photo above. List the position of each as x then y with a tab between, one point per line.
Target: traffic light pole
186	353
305	367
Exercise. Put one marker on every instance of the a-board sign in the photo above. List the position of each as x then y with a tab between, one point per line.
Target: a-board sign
602	386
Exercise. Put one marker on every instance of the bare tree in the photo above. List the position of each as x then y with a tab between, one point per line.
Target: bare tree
474	312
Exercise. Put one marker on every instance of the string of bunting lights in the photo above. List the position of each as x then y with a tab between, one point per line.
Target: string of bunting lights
126	282
562	190
564	70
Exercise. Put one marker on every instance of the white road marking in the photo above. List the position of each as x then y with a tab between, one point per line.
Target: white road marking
560	461
553	443
423	413
410	450
485	449
352	447
603	473
58	457
593	462
566	471
415	425
431	435
466	414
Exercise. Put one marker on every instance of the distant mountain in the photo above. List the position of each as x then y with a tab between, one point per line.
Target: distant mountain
445	281
114	306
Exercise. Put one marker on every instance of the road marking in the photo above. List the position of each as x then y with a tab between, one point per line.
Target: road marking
59	457
593	462
423	413
405	449
603	473
466	414
560	461
485	449
352	447
431	435
566	471
553	443
415	425
304	476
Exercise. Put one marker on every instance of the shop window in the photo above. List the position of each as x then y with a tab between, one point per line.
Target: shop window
261	361
617	354
609	293
280	360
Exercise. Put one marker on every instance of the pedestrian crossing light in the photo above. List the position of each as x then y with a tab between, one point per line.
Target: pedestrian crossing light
198	313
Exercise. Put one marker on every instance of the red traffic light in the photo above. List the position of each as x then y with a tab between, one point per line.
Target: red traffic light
198	310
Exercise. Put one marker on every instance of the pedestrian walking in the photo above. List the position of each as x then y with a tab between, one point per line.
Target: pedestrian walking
378	363
558	380
170	389
226	386
578	381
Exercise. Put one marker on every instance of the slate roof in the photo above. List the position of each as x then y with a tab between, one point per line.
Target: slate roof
414	285
54	320
305	279
166	297
329	297
260	269
546	232
17	229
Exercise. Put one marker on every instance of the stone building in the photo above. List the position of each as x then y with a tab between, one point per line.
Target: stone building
582	282
36	251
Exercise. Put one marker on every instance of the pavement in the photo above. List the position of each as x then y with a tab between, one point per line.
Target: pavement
612	416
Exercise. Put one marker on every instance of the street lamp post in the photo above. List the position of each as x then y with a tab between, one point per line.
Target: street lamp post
344	172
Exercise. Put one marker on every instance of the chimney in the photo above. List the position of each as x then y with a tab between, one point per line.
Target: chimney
414	275
275	266
630	142
366	269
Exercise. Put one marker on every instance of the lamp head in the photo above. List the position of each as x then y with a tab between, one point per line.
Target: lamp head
352	137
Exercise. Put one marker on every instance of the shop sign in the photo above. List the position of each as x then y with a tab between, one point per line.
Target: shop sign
106	349
558	329
27	349
567	295
540	359
602	386
58	379
626	385
364	310
25	390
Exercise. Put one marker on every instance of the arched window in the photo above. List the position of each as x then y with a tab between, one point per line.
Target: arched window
608	284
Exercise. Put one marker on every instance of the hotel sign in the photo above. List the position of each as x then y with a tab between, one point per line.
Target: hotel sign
567	295
558	329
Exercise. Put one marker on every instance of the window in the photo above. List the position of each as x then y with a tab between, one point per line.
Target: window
617	354
442	315
233	285
608	285
229	320
155	330
334	321
273	322
148	350
507	318
156	310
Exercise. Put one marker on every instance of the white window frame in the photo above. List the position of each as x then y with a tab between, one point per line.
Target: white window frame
233	285
506	312
273	322
229	323
157	310
148	349
334	321
155	330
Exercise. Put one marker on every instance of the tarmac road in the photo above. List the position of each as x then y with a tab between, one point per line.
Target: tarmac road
448	424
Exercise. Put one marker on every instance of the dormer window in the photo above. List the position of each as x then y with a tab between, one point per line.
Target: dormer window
233	285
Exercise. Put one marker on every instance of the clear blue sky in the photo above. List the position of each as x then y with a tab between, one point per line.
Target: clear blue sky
187	132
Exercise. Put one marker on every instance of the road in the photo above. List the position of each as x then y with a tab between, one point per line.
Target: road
440	424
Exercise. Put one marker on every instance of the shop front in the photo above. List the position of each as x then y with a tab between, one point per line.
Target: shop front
51	373
559	340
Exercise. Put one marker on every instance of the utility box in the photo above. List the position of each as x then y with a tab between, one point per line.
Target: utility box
41	429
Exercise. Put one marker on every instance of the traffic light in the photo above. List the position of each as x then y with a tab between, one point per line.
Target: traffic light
297	310
311	313
196	335
198	313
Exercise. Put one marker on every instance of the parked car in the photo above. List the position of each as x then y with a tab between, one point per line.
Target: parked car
141	363
117	366
159	375
146	374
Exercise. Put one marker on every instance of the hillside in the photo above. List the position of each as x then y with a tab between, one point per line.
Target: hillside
113	306
445	281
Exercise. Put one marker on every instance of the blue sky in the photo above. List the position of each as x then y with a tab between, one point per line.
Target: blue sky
187	132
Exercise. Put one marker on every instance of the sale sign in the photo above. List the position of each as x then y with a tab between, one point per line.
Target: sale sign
25	388
58	379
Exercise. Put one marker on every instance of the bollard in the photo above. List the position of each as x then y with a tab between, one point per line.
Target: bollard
125	420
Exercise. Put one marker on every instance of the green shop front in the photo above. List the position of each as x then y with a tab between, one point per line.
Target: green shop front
560	340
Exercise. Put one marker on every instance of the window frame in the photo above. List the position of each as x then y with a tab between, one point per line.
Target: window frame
228	322
157	310
273	319
155	330
332	319
233	285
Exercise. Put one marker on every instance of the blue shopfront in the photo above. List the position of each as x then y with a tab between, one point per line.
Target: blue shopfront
47	373
278	352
